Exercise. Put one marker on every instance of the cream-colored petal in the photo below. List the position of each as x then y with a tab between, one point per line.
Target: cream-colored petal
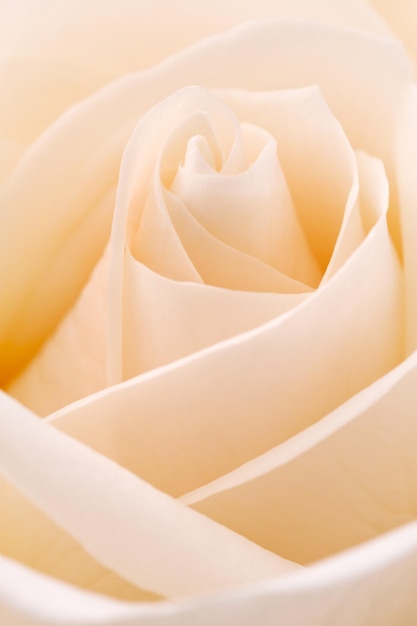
372	585
351	232
10	152
49	383
272	59
156	242
140	533
72	362
405	170
208	413
271	40
251	210
367	203
139	173
53	56
373	189
227	205
158	325
66	206
303	125
345	480
29	598
326	55
29	536
221	265
165	320
161	320
402	18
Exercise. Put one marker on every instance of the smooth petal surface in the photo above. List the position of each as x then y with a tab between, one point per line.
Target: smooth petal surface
49	58
402	18
72	363
268	419
405	158
138	532
377	105
33	539
372	585
165	320
249	393
348	478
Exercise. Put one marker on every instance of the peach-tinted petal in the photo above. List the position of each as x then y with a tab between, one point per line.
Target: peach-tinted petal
216	409
251	210
160	326
324	190
165	320
372	585
72	362
326	54
49	58
10	151
33	539
29	598
405	159
346	479
402	18
223	266
140	533
65	205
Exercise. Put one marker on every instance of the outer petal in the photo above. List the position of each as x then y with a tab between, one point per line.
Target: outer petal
54	53
402	18
373	585
140	533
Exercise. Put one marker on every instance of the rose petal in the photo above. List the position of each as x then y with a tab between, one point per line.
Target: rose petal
72	363
164	320
326	54
40	64
218	408
251	210
28	597
402	18
324	190
140	533
346	479
10	151
62	238
223	266
373	585
405	158
29	536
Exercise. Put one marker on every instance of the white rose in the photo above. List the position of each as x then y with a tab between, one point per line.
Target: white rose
208	241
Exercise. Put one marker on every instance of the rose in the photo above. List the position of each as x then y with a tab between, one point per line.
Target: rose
262	430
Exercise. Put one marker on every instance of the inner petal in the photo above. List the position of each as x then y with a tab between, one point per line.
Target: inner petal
251	392
30	537
252	210
151	235
314	153
222	265
166	320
